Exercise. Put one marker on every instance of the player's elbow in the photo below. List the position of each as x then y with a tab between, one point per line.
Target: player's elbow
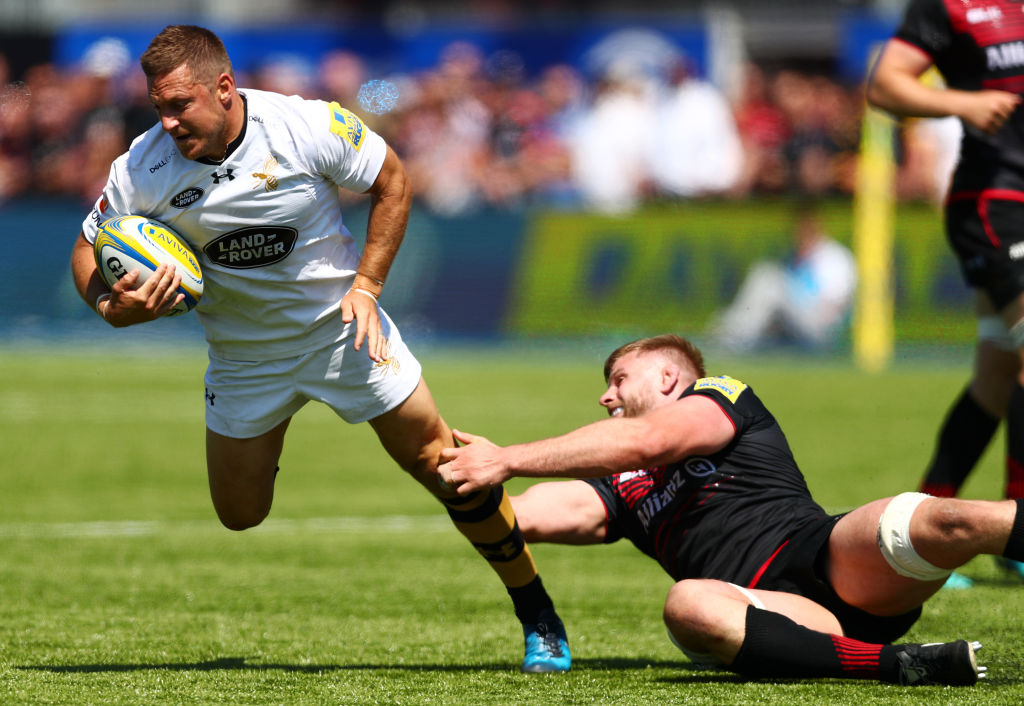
873	94
883	92
879	95
882	86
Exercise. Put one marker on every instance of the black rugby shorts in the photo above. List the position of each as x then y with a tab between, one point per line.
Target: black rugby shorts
986	231
799	567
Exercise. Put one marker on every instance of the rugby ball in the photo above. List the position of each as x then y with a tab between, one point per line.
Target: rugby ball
126	243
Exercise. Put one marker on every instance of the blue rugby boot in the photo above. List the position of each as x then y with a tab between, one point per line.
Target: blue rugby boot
547	648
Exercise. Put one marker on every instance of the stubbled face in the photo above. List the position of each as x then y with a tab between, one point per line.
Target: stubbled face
634	384
192	113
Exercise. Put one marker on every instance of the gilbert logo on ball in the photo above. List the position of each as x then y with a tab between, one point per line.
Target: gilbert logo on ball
126	243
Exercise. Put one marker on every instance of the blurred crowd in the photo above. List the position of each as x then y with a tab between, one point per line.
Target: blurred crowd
478	131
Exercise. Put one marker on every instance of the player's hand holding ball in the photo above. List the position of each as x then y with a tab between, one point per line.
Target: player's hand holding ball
132	303
150	270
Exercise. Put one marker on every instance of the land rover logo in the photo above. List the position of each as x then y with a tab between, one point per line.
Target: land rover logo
187	197
253	246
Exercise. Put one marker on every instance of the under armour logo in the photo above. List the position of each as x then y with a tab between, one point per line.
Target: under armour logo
209	395
227	175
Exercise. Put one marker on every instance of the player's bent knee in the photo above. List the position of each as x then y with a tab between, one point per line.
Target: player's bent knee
239	508
241	521
237	515
701	658
894	539
682	597
693	626
683	617
684	613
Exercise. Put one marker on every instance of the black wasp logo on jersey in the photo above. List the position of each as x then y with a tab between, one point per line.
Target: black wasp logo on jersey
226	175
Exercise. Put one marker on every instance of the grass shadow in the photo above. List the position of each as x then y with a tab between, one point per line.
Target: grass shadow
242	664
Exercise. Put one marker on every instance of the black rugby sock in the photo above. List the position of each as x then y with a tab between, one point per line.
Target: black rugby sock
1015	544
776	647
530	600
1015	444
966	432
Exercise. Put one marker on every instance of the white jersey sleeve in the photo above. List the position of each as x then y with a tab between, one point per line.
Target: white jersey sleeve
265	222
345	161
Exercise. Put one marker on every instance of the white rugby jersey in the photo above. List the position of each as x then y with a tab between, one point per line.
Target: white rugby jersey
265	223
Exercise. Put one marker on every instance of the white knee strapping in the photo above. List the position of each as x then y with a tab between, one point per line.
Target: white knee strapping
992	329
894	540
706	660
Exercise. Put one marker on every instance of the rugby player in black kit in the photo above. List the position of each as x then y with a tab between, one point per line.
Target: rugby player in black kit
978	47
697	473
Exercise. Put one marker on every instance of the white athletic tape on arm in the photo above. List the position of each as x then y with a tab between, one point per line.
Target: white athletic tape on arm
992	329
1017	334
894	540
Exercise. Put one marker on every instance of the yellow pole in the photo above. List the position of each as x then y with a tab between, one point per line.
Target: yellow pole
873	218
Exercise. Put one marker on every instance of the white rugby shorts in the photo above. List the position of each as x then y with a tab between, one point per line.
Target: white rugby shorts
248	398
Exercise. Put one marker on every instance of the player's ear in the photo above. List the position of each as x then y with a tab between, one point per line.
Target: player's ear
224	85
670	374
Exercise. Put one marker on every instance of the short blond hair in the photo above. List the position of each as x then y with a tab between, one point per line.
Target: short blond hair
685	351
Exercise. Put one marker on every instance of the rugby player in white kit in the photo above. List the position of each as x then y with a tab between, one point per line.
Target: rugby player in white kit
250	179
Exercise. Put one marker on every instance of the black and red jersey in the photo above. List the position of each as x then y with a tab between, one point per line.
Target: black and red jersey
721	515
977	44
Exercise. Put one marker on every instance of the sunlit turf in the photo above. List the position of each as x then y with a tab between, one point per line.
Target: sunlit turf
118	585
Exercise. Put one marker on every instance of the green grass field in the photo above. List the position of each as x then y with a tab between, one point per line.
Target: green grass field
118	585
